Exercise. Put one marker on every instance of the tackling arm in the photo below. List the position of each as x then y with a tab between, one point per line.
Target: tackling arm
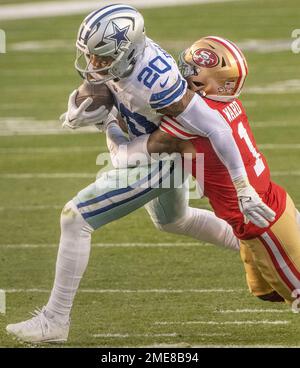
125	153
194	114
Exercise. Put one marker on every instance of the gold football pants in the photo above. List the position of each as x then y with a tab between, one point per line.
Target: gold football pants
272	260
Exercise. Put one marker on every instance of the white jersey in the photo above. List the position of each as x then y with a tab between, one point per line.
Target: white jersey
155	83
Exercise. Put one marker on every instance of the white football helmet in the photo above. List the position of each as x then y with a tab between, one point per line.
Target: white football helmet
115	33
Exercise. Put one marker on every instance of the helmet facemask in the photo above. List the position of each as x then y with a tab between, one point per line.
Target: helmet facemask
96	75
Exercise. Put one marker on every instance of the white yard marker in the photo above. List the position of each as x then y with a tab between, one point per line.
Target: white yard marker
52	150
285	173
284	146
98	149
185	345
31	208
2	302
81	149
257	46
215	323
56	8
227	311
282	87
127	335
172	334
48	176
68	175
274	124
131	291
23	126
30	126
110	245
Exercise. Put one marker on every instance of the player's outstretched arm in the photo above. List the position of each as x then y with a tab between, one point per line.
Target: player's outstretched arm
194	114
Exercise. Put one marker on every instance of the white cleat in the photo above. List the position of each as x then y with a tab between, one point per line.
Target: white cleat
39	329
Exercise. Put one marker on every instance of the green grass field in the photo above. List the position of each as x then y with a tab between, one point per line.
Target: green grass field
199	283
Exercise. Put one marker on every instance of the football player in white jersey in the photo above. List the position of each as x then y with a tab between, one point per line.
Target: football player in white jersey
113	49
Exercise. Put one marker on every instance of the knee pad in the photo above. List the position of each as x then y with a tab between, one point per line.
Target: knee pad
72	221
177	227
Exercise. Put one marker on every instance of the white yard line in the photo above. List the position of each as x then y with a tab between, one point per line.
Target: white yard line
285	173
30	126
131	291
224	323
31	208
255	45
274	124
259	46
60	207
48	176
282	87
41	46
280	146
50	9
172	334
11	126
185	345
80	149
50	150
22	176
233	311
110	245
129	335
266	46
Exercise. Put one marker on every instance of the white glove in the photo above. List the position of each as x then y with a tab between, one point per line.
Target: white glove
77	117
251	205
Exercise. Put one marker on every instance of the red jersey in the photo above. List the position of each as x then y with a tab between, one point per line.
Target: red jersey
218	186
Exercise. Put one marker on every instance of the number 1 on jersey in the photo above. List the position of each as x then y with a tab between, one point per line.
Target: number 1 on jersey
259	164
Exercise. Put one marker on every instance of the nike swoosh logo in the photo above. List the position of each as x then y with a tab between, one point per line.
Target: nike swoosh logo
165	83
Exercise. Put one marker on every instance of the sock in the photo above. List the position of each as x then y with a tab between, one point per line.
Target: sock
205	226
72	260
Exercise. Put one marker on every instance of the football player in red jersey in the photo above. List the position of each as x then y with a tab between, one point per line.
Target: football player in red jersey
216	69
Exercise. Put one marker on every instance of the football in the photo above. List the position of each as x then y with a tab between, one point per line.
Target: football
100	94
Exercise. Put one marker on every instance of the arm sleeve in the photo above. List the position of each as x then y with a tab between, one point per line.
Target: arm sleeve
125	153
200	119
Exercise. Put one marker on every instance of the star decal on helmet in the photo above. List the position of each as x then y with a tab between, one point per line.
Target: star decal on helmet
119	36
